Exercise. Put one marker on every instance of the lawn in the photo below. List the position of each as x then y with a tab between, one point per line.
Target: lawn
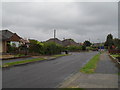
30	60
91	65
115	55
21	62
19	55
71	88
59	55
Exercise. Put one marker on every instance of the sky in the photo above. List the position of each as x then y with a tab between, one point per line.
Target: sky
77	20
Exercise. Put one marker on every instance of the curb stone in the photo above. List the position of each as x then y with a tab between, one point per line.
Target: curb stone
115	60
33	62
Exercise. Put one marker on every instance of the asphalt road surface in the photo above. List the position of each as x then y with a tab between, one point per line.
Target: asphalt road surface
48	74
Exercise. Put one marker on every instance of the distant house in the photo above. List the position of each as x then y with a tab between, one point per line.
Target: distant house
69	42
65	42
8	37
56	40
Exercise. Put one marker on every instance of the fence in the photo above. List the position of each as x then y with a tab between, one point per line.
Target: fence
114	51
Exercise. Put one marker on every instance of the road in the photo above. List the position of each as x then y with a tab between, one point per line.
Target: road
48	74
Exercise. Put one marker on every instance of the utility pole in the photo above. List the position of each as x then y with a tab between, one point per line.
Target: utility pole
54	34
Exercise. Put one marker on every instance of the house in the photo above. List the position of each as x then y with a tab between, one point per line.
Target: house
56	40
65	42
69	42
8	37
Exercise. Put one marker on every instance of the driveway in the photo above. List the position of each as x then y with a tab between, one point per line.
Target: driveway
47	74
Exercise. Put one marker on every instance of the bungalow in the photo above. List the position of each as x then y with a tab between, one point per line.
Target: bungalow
65	42
56	40
69	42
8	37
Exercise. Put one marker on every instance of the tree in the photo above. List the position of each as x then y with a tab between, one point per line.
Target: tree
36	47
45	48
109	41
83	47
73	48
116	42
87	43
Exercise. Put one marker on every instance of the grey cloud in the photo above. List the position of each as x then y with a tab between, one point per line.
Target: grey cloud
79	21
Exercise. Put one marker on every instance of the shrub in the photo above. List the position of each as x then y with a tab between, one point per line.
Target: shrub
51	48
83	47
11	49
46	48
73	48
35	47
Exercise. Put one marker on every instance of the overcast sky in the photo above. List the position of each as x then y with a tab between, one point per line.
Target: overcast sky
77	20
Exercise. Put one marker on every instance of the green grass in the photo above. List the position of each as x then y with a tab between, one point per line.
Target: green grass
118	73
19	55
29	61
115	55
21	62
74	88
59	55
91	65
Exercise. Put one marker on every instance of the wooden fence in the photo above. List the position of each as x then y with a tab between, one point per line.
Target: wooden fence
114	51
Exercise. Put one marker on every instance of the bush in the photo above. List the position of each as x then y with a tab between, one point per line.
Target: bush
73	48
51	48
93	48
47	48
11	49
35	47
83	47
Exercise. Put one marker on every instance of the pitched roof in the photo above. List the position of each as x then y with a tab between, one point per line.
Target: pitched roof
68	42
6	34
56	40
65	42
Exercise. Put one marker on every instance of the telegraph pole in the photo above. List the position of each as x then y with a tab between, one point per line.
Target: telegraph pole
54	33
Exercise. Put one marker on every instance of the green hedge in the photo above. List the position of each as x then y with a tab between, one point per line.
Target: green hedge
46	48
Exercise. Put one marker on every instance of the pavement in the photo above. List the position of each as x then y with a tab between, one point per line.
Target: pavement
81	80
106	65
48	74
105	76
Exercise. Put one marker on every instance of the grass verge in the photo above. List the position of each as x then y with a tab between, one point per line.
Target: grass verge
29	61
19	55
115	55
59	55
71	88
118	73
91	65
21	62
